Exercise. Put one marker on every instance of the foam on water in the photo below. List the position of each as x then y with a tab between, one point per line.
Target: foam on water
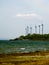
23	46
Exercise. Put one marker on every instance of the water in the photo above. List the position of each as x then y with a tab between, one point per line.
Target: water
22	46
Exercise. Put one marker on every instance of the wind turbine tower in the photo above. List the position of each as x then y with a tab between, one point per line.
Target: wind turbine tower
30	30
39	29
42	29
35	29
27	29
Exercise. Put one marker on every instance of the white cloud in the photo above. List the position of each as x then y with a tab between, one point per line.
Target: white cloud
26	15
33	15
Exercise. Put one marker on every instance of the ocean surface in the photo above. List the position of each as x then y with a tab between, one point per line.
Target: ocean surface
20	46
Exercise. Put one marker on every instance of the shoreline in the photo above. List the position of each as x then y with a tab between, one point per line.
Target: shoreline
19	53
32	58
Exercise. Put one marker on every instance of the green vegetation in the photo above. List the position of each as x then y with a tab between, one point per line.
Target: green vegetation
44	37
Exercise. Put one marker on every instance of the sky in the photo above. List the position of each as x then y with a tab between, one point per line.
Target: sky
16	15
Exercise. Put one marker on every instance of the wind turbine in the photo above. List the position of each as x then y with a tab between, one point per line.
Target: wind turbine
39	29
27	29
42	29
35	29
30	30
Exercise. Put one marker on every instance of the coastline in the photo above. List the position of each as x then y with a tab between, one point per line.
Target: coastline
31	58
34	37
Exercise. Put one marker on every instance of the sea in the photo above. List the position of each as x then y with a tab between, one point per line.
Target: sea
23	46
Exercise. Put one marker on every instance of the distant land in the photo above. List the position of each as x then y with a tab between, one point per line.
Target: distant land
39	37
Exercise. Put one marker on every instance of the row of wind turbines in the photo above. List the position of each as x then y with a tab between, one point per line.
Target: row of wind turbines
29	29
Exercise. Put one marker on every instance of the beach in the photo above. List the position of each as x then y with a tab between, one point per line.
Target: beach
24	52
31	58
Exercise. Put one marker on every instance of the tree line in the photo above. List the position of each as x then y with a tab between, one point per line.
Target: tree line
33	37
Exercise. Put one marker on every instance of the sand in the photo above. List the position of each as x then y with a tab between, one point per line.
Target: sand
32	58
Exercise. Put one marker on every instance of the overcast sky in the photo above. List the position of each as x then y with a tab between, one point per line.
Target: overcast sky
15	15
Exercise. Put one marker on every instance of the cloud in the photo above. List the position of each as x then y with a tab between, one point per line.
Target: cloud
34	15
26	15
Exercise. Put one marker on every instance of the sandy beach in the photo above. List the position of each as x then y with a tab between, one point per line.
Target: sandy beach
32	58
